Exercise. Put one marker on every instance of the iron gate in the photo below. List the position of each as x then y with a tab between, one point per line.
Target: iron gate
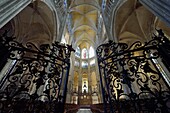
36	80
132	79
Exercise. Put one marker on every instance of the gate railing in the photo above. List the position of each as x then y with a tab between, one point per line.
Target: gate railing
131	81
37	81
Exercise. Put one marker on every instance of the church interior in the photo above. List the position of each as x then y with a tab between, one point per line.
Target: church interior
84	56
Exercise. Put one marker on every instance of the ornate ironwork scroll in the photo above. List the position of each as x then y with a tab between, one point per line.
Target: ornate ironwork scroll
37	81
131	78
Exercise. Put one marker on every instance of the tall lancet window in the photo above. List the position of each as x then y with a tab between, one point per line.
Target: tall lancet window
91	52
84	54
77	53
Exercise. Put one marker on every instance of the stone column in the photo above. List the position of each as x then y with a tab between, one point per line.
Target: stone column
99	89
160	8
10	8
61	10
108	10
70	80
80	78
89	75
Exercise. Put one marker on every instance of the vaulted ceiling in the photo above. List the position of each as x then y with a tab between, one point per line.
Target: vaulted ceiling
35	24
133	22
84	15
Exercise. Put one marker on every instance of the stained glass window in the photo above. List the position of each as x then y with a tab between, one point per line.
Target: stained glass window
91	52
92	62
77	53
84	53
76	63
84	64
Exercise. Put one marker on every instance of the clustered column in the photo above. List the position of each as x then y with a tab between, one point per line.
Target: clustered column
9	9
161	8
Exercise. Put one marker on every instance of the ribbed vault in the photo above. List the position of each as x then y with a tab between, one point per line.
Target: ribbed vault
84	15
133	22
36	23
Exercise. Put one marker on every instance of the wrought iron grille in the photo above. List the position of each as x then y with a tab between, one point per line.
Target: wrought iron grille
131	77
37	79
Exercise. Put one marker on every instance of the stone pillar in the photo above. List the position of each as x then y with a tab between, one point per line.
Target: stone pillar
61	10
89	75
99	89
160	8
70	80
10	8
80	78
108	11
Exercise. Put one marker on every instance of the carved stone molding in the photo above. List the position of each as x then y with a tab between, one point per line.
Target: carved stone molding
160	8
9	9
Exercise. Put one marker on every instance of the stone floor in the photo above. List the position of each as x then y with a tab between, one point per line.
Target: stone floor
84	111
